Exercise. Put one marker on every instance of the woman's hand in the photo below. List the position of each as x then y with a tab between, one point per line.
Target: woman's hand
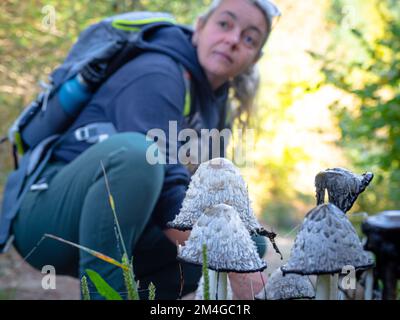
176	236
246	285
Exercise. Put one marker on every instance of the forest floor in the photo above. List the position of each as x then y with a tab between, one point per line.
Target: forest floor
19	281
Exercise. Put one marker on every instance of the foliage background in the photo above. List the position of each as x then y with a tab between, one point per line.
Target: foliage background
329	96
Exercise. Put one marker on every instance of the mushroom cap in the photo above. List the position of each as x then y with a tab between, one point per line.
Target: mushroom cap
288	287
386	220
326	242
383	234
216	181
343	186
229	245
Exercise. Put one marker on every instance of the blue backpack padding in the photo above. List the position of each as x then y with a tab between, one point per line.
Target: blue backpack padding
35	133
110	43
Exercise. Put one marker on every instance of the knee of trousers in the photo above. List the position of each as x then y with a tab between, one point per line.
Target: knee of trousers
127	161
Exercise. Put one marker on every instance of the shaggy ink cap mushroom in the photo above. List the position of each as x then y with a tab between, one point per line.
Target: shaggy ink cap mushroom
216	181
386	220
326	242
343	186
383	234
229	245
288	287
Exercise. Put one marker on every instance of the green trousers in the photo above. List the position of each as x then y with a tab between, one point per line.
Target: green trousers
76	207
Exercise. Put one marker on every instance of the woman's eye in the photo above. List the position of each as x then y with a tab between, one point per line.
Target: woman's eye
223	24
249	40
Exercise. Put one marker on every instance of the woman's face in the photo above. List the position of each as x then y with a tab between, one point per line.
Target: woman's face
230	41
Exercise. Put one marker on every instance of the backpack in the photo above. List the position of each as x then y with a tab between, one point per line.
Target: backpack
100	51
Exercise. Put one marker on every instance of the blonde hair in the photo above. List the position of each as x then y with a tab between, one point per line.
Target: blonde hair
245	86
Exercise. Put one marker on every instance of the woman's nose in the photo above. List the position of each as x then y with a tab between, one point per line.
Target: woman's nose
232	38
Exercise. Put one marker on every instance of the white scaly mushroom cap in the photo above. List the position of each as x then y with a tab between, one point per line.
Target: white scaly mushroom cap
229	245
326	242
290	286
216	181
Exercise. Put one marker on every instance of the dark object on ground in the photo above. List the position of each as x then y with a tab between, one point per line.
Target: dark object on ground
383	232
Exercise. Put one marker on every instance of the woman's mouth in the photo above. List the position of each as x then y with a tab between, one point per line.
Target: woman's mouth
224	56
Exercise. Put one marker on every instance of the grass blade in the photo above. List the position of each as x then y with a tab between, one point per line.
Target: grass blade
90	251
206	286
129	279
85	288
112	204
103	288
152	291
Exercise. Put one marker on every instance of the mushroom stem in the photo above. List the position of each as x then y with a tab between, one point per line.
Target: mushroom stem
322	291
213	284
218	285
334	283
222	285
369	283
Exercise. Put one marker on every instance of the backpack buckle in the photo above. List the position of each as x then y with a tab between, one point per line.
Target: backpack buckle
95	133
89	135
82	134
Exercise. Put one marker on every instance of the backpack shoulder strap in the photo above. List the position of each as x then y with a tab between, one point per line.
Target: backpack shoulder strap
97	132
187	78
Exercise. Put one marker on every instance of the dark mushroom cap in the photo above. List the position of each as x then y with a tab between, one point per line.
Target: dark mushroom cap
383	234
386	220
326	242
342	185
